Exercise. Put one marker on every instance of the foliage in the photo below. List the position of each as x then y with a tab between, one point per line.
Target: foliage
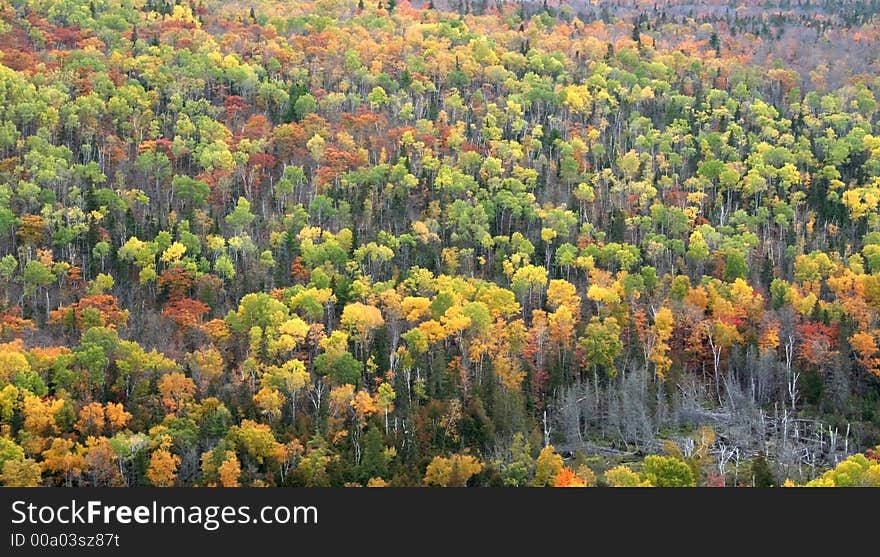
330	243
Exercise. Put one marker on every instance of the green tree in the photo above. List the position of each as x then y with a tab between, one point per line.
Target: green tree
240	217
667	471
601	344
304	105
374	462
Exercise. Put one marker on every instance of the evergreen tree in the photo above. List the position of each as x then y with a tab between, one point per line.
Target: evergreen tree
762	474
374	462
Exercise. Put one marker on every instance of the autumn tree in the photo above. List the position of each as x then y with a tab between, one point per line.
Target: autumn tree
548	466
175	390
454	471
162	471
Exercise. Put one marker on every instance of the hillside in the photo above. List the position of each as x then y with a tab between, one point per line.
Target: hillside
344	242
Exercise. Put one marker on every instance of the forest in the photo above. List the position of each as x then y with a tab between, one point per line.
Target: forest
452	243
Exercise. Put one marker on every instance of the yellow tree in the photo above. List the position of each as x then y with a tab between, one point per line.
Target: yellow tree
117	416
528	282
12	360
206	366
230	470
452	471
289	378
604	290
162	471
623	476
91	420
385	397
548	465
270	402
361	319
865	346
856	471
64	457
39	422
175	390
561	324
364	406
21	473
664	323
601	344
563	293
415	308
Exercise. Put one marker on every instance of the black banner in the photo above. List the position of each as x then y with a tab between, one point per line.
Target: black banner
387	521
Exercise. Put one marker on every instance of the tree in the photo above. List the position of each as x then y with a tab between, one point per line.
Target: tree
865	347
186	313
662	329
715	43
720	336
698	249
21	473
304	105
454	471
39	419
374	462
269	401
230	470
175	390
528	282
568	478
91	420
623	476
196	192
364	405
9	450
385	398
64	457
102	463
601	344
547	467
361	319
735	265
162	471
563	293
205	365
518	470
312	468
256	441
316	146
117	416
667	471
342	369
377	97
856	471
289	378
37	276
240	217
762	474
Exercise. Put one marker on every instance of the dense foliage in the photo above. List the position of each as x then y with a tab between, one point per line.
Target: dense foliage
467	243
